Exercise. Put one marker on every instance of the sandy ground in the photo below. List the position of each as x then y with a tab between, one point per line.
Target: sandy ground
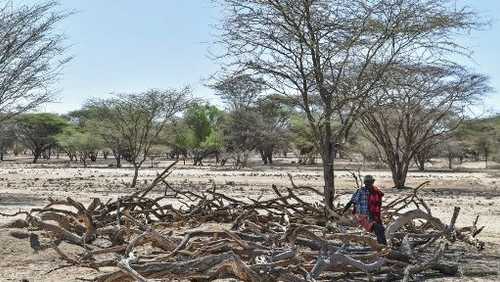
24	186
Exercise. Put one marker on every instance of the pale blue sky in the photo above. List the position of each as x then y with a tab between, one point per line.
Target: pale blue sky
130	45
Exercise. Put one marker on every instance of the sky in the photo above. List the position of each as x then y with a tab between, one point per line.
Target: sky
129	45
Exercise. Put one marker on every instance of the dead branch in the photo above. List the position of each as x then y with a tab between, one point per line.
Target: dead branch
214	235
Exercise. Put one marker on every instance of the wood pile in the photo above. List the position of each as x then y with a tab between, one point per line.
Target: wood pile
210	235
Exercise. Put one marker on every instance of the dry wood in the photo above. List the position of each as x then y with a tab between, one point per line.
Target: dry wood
214	236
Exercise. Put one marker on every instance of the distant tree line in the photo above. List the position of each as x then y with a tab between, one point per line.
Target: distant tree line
171	124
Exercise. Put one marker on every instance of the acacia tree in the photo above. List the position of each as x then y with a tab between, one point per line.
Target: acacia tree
38	132
452	148
330	55
273	127
31	55
136	120
88	119
487	143
424	154
201	131
178	139
240	93
79	143
416	114
481	136
306	149
240	138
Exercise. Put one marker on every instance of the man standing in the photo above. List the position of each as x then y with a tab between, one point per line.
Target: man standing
367	202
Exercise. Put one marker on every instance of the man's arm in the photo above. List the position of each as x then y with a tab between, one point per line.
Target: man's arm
347	206
353	200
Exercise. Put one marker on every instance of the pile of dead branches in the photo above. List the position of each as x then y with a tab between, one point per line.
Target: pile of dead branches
207	235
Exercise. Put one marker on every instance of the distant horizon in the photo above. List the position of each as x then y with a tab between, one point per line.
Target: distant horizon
127	47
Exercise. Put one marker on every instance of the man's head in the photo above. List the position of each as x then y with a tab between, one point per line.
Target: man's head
368	180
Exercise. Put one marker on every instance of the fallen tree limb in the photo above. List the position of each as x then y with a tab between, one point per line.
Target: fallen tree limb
211	235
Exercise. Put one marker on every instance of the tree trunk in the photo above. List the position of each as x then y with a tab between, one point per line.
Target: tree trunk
237	161
328	170
420	163
244	160
311	160
270	157
197	159
36	155
136	174
486	159
118	159
399	170
263	156
475	156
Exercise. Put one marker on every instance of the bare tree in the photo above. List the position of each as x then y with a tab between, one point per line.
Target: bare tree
31	55
136	120
330	55
419	104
